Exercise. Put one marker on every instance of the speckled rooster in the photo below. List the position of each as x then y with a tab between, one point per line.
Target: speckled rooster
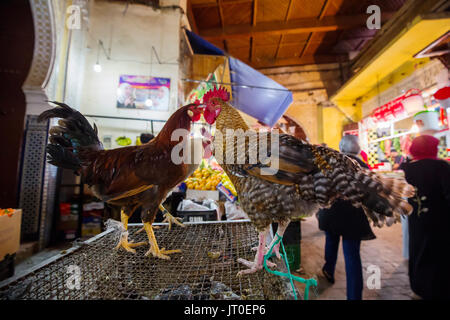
128	177
309	178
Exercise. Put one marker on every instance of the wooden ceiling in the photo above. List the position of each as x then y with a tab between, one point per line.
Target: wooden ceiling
270	33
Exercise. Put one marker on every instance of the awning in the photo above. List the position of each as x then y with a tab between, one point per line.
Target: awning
412	39
201	46
253	93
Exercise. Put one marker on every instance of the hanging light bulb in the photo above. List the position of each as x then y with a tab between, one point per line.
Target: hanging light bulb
97	67
415	128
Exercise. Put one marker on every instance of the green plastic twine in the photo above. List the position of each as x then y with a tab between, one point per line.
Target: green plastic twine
307	282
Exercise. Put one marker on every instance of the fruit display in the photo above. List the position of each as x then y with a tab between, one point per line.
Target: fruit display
6	212
207	178
204	178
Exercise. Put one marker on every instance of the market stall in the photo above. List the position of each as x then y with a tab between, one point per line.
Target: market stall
387	132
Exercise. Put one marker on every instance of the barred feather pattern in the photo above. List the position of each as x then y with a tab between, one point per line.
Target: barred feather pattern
326	175
71	138
384	199
265	202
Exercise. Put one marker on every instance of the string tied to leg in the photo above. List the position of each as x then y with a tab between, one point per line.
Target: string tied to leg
308	282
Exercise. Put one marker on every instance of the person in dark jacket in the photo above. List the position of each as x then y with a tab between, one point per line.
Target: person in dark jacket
429	223
344	220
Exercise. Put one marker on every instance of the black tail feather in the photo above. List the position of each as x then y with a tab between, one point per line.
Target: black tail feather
62	157
384	199
72	137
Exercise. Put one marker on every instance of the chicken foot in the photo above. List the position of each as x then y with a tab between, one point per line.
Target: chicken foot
123	242
257	264
261	250
170	218
154	248
167	218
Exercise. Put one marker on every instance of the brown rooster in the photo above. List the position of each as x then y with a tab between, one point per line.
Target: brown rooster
308	178
128	177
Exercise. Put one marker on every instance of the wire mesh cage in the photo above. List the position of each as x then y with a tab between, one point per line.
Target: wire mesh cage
206	269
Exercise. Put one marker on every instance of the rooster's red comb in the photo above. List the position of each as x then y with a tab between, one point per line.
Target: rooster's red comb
220	93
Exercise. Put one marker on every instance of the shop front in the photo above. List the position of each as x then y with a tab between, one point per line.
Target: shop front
386	134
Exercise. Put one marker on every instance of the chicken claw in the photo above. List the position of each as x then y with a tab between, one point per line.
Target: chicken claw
162	253
154	249
128	246
257	264
253	266
170	218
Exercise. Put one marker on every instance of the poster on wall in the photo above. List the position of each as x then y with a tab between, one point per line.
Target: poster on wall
143	92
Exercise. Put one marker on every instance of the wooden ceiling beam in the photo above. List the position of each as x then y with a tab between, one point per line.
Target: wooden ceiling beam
212	4
255	8
307	44
191	18
306	25
321	15
219	6
286	18
324	9
252	40
252	49
307	59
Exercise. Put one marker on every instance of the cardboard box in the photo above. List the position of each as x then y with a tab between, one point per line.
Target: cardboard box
10	233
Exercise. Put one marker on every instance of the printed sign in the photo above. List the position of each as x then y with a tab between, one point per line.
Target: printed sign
143	92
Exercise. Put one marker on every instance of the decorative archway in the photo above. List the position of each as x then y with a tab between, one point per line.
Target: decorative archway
43	56
37	178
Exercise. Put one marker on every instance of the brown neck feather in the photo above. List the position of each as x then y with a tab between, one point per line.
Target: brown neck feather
178	120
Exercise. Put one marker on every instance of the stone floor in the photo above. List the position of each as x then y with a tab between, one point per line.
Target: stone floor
385	252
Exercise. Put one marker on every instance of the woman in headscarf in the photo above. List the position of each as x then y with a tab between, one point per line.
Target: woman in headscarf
342	219
429	223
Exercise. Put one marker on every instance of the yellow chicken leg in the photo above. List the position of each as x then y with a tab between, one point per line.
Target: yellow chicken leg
167	218
170	218
123	242
154	249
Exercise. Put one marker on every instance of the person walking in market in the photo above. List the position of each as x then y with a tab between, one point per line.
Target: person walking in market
342	219
429	223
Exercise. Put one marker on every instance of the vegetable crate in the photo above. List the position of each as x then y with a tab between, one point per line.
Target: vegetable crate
205	269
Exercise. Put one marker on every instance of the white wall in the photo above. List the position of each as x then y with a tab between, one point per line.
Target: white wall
130	36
